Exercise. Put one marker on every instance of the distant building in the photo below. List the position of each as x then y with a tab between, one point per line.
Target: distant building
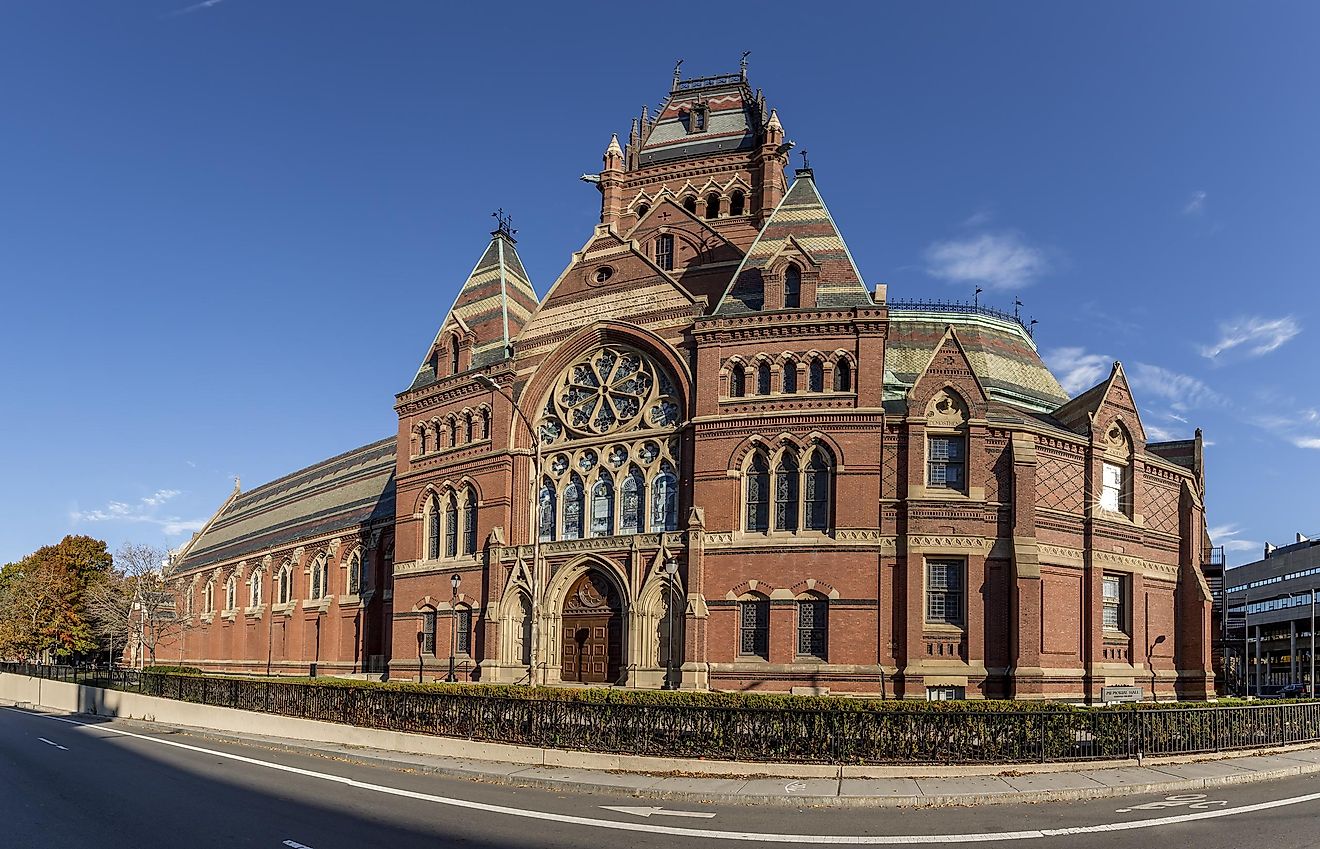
855	494
1269	617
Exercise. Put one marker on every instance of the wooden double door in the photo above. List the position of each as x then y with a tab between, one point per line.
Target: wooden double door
591	631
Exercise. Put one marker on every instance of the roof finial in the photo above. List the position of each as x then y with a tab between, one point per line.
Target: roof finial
677	73
742	66
504	223
806	164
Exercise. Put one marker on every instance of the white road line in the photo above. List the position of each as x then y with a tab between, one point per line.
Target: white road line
51	743
651	811
745	836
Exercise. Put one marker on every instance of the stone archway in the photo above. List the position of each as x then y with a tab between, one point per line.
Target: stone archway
591	631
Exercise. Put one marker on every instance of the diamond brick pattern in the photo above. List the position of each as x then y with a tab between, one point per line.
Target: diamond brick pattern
1059	484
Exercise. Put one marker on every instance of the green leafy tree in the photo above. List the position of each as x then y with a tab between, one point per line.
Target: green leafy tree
43	599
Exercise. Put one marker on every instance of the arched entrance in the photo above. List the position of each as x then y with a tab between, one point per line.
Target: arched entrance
591	631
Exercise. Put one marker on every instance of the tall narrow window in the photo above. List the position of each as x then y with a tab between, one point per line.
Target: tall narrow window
944	592
286	583
428	630
712	205
231	593
737	381
573	508
664	500
842	376
546	506
816	376
470	522
690	204
754	628
451	526
1112	488
634	487
453	355
453	432
790	377
463	630
946	462
813	627
1113	601
737	203
433	531
602	506
816	505
763	378
758	494
664	249
471	428
254	590
422	447
792	287
317	588
355	574
786	493
485	424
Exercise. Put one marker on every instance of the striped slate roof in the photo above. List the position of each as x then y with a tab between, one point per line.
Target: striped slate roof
803	218
731	122
494	303
1003	356
339	494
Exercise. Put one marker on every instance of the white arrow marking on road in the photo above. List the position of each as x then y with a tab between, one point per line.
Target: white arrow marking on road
659	812
51	743
293	844
714	834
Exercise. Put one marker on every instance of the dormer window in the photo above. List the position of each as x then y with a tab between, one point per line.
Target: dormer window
792	287
697	119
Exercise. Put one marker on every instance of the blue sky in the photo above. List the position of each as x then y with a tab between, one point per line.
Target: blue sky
230	229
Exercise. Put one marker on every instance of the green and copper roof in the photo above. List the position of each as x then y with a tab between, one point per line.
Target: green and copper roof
494	303
1003	356
803	219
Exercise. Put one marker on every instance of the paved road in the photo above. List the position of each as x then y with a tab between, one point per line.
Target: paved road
123	784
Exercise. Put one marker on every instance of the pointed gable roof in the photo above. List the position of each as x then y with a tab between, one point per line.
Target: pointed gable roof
1114	392
492	306
803	220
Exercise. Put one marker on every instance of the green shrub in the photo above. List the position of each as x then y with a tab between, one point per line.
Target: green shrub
172	670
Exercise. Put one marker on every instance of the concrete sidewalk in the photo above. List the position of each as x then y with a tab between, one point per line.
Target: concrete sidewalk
929	786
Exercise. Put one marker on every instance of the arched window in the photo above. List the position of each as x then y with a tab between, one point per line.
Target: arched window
546	505
433	530
786	493
664	251
422	447
763	378
470	522
690	204
451	526
712	205
792	287
254	589
642	209
758	494
573	508
453	354
463	629
208	599
790	377
737	381
471	428
842	376
231	593
602	506
286	583
813	627
355	574
634	489
485	423
816	376
737	202
664	500
428	630
754	627
816	506
453	432
320	588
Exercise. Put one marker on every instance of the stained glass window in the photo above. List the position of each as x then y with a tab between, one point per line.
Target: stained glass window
754	628
758	494
573	508
813	627
634	487
470	523
737	382
664	499
790	377
433	531
451	527
786	493
816	376
816	505
546	499
602	506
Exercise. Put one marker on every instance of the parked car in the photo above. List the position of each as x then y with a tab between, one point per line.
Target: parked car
1284	691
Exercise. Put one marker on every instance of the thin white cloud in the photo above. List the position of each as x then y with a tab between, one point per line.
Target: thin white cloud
980	218
1182	391
1253	335
1195	204
1076	369
196	7
1226	535
997	260
1307	442
1158	433
144	511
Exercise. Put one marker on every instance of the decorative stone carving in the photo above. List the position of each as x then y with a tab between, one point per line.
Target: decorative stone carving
946	409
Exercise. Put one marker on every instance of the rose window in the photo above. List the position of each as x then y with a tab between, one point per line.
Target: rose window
609	390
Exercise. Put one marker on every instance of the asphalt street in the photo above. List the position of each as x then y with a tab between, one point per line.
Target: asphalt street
83	782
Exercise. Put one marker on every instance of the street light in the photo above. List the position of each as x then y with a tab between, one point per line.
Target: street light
454	581
1150	664
671	569
534	676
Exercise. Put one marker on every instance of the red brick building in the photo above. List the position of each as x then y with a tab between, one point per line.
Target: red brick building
854	495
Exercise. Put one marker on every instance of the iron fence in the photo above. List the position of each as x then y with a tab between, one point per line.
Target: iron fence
851	734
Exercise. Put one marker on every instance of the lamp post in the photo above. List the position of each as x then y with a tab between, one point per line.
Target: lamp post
420	637
671	569
534	675
454	581
1150	663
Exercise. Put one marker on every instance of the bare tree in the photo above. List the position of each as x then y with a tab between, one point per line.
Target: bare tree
136	604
